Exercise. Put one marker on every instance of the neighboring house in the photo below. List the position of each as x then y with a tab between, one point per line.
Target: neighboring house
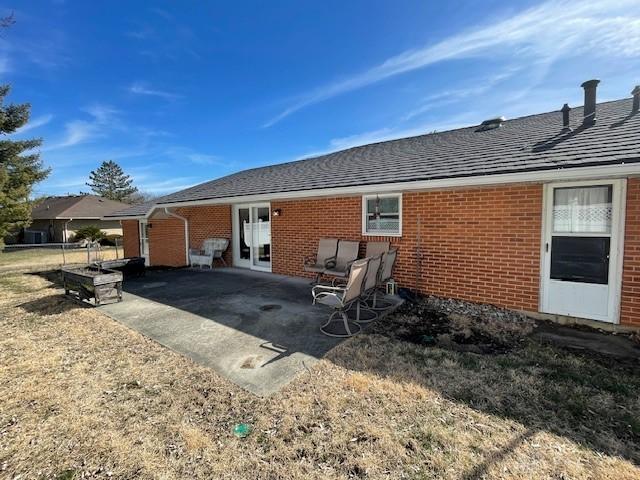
56	219
539	213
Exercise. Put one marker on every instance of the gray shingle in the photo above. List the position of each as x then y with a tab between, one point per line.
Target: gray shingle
76	206
523	144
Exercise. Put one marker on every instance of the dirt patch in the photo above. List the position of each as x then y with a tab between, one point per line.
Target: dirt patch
457	325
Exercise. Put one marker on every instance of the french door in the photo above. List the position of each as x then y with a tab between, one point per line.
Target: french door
144	240
582	249
252	236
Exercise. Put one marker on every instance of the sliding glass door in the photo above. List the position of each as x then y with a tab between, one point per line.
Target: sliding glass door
252	236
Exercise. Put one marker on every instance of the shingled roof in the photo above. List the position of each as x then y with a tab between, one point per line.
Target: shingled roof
532	143
76	206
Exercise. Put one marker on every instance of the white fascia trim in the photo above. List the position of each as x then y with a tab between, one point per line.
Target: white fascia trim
76	218
560	174
137	217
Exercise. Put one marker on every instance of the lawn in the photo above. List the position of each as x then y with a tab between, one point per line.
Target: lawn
41	257
81	396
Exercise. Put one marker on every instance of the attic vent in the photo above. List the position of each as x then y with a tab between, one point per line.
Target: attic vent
491	124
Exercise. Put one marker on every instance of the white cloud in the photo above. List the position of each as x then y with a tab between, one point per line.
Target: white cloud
77	132
167	186
72	183
203	159
35	123
81	131
181	154
541	35
447	97
140	88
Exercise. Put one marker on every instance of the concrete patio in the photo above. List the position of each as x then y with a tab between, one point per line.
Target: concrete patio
259	330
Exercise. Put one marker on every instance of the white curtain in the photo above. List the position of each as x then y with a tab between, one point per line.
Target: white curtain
582	210
258	233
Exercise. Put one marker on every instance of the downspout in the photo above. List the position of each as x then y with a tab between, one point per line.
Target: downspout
66	234
122	230
186	232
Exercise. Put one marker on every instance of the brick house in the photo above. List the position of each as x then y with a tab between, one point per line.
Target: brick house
56	219
539	213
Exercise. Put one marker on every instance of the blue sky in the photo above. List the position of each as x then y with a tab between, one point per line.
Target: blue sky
182	92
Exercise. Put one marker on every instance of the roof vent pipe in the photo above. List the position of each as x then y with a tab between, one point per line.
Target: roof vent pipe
636	98
565	117
590	102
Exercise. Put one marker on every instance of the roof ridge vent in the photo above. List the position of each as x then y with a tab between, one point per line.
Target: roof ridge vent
491	124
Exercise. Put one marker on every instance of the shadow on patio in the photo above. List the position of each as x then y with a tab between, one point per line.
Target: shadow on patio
257	329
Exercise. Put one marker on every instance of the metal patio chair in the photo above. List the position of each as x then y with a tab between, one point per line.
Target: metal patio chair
342	298
327	249
376	248
369	287
386	272
347	254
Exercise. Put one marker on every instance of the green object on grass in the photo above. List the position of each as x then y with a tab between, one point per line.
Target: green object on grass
241	430
427	340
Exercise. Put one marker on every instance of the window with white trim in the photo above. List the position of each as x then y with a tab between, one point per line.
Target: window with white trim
382	214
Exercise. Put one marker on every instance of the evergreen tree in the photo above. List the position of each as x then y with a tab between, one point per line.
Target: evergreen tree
20	167
110	181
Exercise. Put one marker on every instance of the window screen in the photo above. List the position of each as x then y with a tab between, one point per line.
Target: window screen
382	215
580	259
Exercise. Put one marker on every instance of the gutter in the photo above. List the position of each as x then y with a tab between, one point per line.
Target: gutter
186	232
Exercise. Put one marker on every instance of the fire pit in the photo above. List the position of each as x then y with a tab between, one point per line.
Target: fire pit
130	267
92	282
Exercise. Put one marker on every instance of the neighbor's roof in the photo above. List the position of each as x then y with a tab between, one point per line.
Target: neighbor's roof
76	206
531	143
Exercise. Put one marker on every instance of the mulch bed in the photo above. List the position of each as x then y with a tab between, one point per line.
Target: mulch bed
456	325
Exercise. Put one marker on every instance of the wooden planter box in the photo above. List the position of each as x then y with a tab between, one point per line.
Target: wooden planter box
92	282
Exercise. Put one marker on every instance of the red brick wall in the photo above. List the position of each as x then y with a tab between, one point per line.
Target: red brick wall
207	222
630	308
131	240
478	244
166	242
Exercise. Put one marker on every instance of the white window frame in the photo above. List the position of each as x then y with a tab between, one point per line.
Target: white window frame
365	198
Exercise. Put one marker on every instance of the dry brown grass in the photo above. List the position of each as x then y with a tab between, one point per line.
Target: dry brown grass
82	395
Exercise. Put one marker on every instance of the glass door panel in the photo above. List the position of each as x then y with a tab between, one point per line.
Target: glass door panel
244	234
261	237
144	240
252	236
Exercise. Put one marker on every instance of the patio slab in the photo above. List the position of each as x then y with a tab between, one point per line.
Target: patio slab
259	330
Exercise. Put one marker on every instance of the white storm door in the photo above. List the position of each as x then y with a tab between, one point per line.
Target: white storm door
144	240
582	245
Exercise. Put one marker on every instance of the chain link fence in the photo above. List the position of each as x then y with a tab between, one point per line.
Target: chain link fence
55	255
